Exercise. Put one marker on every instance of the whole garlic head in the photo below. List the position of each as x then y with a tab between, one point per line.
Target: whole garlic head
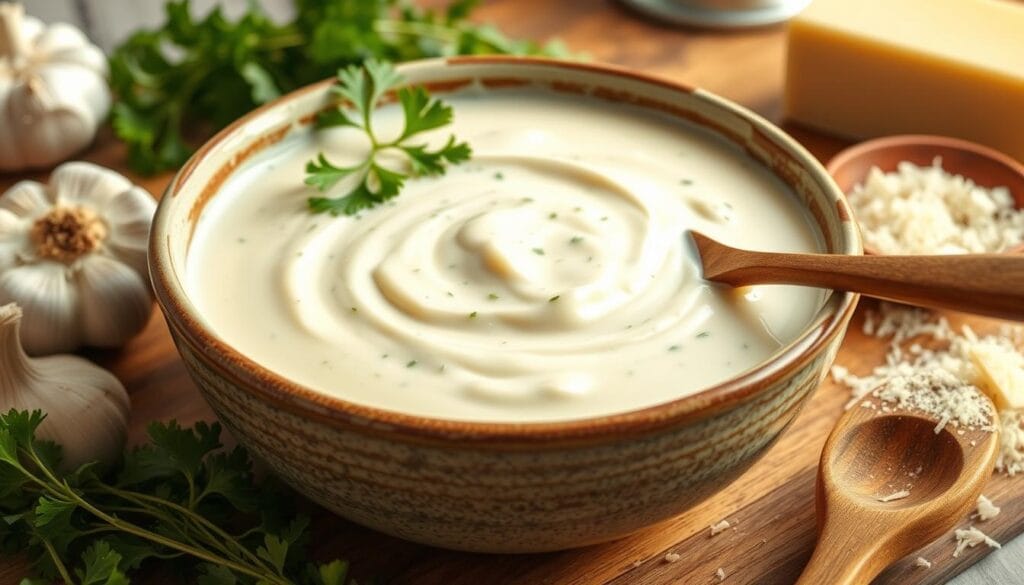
53	90
73	255
86	407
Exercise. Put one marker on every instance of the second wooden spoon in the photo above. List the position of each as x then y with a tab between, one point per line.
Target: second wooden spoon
984	284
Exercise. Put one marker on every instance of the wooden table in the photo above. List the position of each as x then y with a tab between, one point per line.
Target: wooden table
746	67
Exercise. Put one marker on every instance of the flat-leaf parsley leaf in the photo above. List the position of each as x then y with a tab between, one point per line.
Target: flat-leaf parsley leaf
359	91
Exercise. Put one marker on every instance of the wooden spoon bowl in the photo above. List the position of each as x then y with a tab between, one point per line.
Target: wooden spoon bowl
986	167
887	454
887	485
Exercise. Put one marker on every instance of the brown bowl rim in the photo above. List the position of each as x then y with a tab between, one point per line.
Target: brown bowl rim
856	150
339	413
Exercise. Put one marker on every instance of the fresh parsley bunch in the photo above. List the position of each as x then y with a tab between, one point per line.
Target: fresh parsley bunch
203	74
181	498
359	90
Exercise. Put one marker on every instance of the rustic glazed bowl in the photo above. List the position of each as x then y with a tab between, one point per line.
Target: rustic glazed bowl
985	166
503	487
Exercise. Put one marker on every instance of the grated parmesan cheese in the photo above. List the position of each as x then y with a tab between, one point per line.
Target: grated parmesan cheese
1011	454
672	557
942	395
970	538
720	573
923	562
720	527
902	324
986	509
925	210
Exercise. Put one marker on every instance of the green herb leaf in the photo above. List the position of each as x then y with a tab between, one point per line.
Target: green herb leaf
425	162
323	175
422	112
181	498
361	89
333	573
101	566
192	76
274	550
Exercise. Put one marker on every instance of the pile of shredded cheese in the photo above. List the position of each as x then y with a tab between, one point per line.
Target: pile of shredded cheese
925	210
909	365
940	394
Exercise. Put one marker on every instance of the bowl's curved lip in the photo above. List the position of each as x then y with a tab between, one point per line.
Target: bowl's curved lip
339	413
875	145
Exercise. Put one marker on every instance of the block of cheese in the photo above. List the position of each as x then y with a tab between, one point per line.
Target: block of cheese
1000	374
866	68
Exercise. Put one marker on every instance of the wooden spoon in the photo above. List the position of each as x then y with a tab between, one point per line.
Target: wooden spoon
872	455
984	284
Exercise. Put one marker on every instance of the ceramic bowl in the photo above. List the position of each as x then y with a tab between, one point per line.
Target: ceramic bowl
983	165
504	487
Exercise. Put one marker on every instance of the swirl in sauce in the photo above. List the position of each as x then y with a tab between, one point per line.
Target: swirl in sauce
546	279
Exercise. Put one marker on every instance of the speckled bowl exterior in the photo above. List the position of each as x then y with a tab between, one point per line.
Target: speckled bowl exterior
504	487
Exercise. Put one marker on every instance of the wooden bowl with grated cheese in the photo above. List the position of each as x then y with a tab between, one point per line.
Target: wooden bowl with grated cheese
917	209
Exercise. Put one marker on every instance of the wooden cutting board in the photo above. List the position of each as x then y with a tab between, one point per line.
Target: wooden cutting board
771	507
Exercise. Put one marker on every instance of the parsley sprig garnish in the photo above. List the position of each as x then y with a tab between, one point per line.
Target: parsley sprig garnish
360	90
181	498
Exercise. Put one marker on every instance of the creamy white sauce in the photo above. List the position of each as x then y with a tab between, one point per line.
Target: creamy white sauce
546	279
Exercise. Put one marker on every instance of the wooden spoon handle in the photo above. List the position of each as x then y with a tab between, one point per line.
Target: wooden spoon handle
985	284
844	557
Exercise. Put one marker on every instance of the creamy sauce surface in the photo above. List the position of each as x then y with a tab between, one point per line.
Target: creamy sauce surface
549	278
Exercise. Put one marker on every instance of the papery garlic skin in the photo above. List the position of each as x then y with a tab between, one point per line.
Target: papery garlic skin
86	407
73	256
53	90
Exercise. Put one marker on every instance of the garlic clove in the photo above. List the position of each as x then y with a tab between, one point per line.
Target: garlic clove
49	302
128	217
30	27
83	183
87	407
12	239
90	101
27	199
75	387
49	132
66	44
115	301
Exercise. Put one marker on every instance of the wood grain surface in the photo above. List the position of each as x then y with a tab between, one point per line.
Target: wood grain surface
771	507
980	284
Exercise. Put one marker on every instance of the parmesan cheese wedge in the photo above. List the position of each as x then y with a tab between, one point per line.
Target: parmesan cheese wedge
1000	373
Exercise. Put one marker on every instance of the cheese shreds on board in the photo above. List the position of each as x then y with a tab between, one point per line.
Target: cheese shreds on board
720	527
720	573
907	329
894	496
971	537
986	509
925	210
672	557
923	562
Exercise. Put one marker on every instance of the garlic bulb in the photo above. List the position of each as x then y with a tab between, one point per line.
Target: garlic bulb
73	256
53	90
86	406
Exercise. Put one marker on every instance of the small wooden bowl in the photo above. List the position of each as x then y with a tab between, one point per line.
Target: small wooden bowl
986	167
